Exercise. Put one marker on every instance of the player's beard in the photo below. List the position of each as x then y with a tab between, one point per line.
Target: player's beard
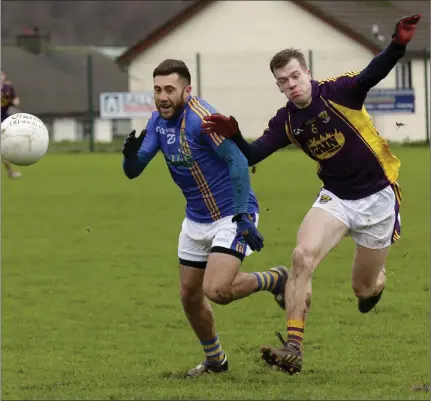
175	107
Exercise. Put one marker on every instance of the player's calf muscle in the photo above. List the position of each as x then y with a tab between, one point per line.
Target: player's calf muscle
365	287
368	274
298	289
200	317
298	295
361	291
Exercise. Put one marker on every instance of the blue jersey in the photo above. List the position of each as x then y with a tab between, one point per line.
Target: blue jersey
194	162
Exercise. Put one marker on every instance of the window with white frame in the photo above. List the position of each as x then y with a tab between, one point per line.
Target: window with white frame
404	74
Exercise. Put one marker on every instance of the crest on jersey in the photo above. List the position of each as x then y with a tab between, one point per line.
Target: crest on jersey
324	116
324	198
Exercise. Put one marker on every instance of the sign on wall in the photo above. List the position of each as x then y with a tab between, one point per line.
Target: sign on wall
390	101
121	105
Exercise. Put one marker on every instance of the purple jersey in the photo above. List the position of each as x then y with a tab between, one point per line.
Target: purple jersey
7	96
354	161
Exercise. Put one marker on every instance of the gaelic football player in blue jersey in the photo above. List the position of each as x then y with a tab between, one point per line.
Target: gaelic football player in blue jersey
220	226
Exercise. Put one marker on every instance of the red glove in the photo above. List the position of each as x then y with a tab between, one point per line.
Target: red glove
221	125
405	29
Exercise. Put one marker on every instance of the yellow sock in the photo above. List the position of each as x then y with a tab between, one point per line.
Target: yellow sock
295	331
269	280
213	350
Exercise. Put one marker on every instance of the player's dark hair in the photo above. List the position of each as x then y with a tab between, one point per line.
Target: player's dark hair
171	66
283	57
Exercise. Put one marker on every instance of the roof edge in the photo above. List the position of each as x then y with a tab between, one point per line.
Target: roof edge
177	20
369	44
159	33
417	54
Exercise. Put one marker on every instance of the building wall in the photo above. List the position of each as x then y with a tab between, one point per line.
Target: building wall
414	128
71	129
236	40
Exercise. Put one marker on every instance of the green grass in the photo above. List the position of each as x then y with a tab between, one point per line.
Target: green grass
96	315
116	144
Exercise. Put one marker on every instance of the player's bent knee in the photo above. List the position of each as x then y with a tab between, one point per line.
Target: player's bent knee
220	298
303	260
218	295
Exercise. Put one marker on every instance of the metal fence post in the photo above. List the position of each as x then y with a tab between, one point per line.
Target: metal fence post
198	74
90	98
427	112
310	61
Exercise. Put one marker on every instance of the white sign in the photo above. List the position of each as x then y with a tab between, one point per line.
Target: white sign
119	105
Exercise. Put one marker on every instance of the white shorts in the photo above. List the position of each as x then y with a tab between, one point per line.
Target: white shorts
198	240
374	221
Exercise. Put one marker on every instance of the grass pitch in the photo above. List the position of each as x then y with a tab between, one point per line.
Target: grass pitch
90	306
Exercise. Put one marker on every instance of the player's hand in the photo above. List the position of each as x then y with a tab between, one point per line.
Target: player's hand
132	144
405	29
248	231
221	125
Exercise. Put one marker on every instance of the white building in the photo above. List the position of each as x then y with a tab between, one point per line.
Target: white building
54	84
227	46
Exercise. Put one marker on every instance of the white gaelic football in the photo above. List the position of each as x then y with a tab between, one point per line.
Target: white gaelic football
24	139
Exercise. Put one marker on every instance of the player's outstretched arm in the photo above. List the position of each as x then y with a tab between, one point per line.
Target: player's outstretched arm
138	153
254	152
240	178
382	64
